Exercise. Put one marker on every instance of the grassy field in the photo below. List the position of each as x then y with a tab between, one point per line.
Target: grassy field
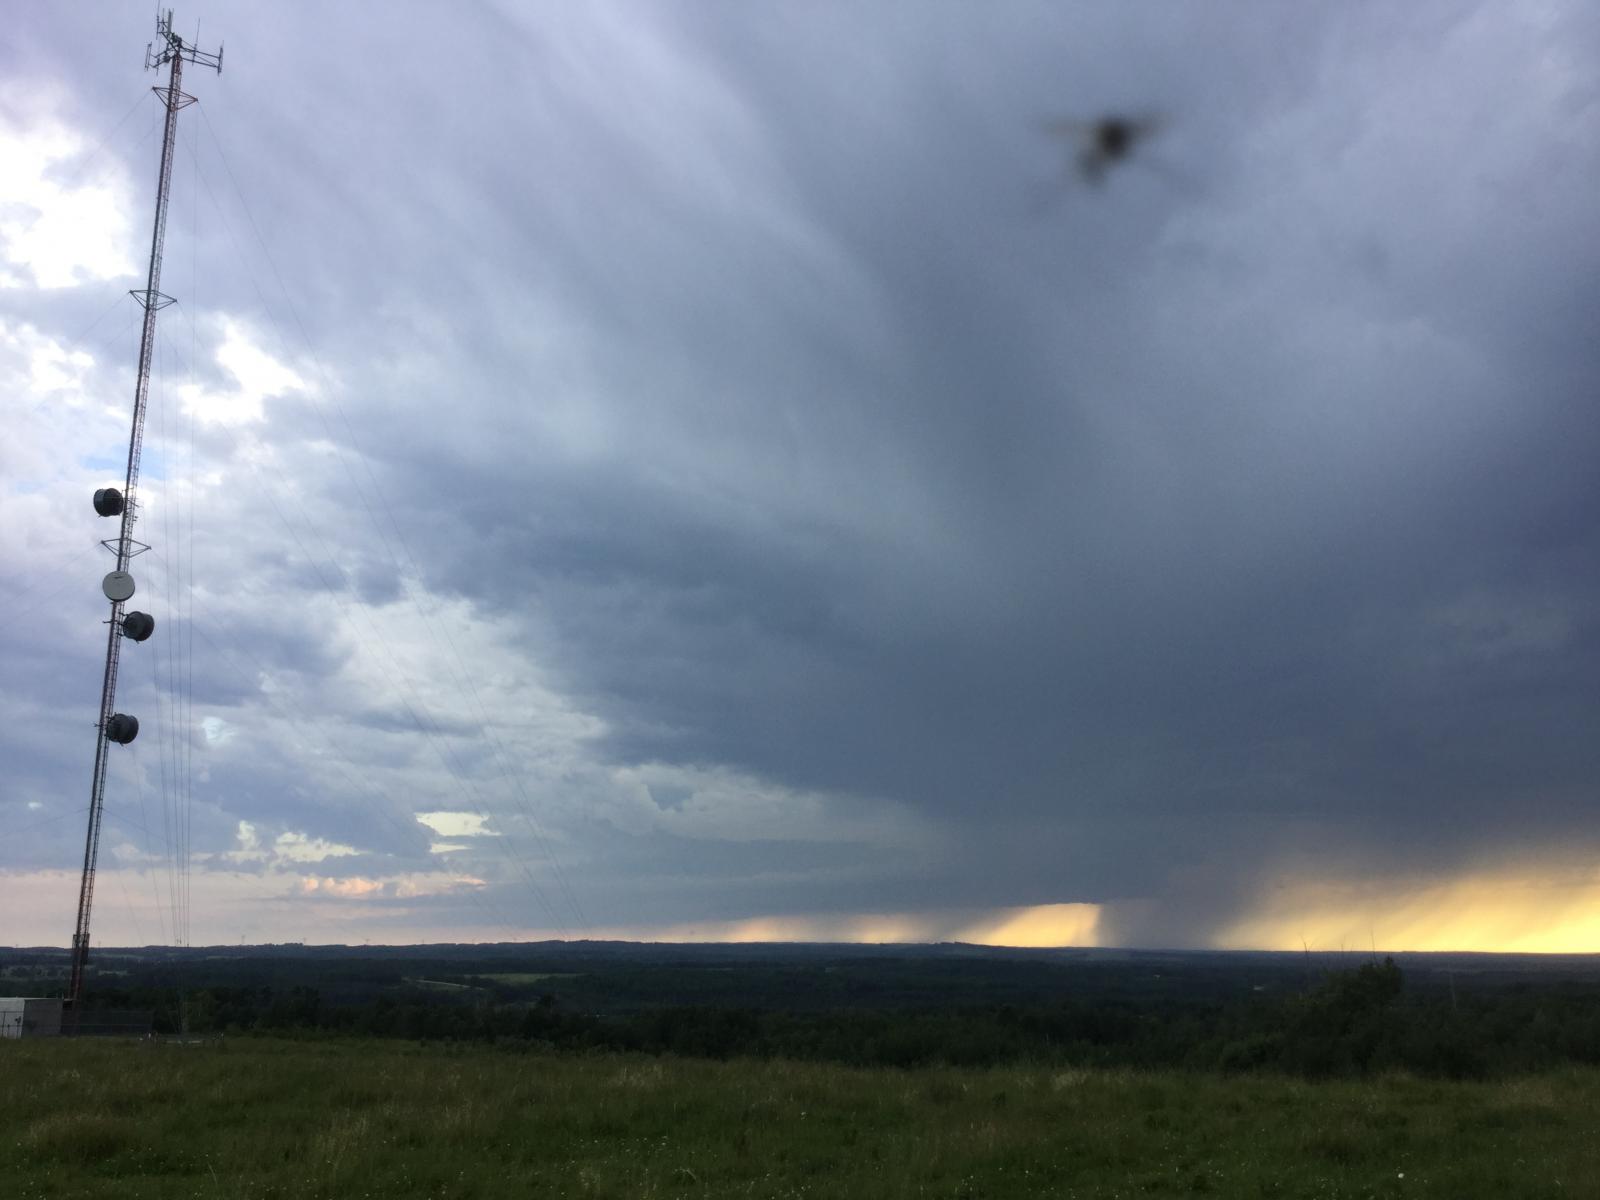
259	1118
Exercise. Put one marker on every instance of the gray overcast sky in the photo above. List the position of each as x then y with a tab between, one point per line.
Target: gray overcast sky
720	466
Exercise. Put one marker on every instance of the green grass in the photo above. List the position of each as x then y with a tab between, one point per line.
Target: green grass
440	985
521	977
259	1118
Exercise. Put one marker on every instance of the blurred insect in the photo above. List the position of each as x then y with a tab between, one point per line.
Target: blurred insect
1105	141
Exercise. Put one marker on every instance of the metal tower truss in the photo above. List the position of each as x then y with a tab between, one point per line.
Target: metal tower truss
171	51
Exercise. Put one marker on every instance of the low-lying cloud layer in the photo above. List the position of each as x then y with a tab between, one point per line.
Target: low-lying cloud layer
651	469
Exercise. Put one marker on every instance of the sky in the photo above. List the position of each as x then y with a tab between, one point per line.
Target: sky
699	471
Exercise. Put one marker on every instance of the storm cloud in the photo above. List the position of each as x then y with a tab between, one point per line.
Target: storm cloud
731	453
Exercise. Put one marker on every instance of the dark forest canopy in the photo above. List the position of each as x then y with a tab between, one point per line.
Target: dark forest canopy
1311	1015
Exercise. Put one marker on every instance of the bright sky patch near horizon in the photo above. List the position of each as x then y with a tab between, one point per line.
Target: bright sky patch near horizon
671	470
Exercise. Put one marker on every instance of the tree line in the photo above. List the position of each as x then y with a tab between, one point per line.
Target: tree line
1349	1022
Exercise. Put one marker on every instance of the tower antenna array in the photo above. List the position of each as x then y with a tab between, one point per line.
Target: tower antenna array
171	51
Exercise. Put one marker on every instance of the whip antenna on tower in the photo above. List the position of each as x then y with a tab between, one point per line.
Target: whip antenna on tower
171	51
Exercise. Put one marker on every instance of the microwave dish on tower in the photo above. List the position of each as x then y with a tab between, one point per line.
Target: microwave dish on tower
171	51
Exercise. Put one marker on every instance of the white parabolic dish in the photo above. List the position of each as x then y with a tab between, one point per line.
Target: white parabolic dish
117	586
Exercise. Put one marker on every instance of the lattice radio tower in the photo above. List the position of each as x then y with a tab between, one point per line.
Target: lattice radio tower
168	50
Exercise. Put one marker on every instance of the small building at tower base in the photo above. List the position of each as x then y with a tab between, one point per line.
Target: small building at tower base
30	1016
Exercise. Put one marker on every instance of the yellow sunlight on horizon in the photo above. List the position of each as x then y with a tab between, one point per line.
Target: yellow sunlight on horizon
1034	926
1526	911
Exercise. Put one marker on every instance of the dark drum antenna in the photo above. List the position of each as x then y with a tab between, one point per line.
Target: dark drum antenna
171	51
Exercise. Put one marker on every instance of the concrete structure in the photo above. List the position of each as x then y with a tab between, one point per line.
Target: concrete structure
30	1016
